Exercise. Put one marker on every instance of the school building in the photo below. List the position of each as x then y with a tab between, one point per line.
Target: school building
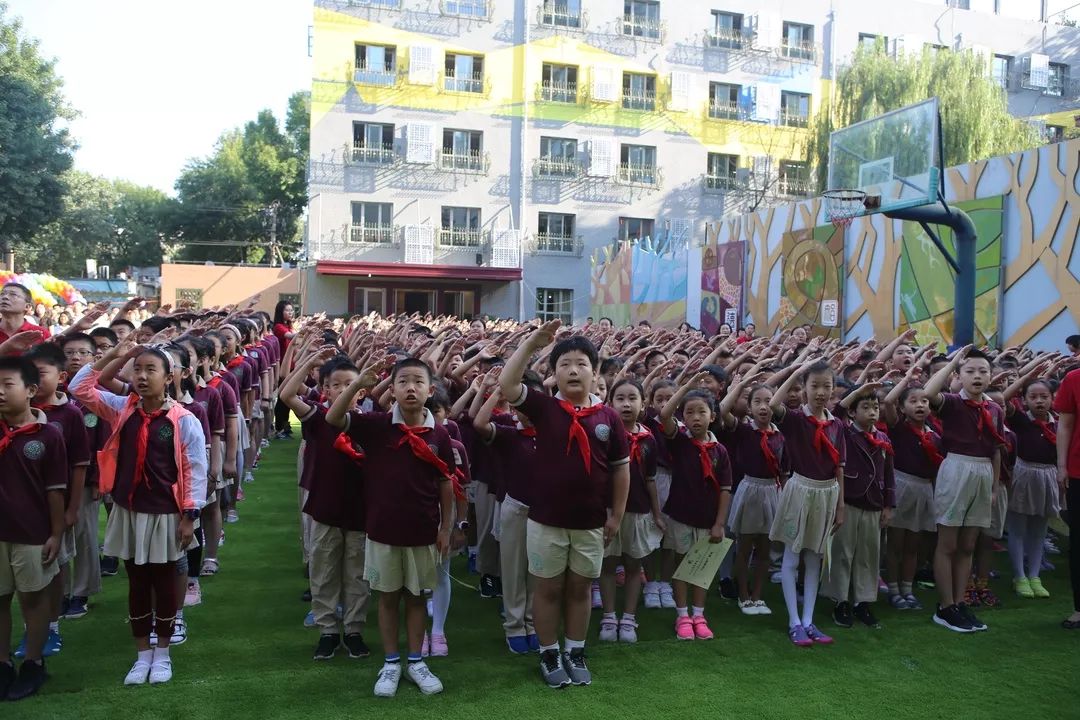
472	156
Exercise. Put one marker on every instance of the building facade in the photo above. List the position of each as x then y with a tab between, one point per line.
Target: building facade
468	155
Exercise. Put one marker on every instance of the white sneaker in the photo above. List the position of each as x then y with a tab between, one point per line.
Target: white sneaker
138	673
747	607
596	601
609	630
248	477
627	631
776	578
419	673
230	517
389	677
667	597
652	595
762	608
160	670
179	633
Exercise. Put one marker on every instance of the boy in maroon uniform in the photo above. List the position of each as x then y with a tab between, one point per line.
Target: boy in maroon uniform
32	489
869	499
583	456
409	494
61	412
967	481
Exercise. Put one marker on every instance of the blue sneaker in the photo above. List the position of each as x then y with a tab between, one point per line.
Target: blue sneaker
53	644
519	644
77	608
309	620
20	652
534	642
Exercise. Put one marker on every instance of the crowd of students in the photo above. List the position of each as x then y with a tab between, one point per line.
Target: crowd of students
566	462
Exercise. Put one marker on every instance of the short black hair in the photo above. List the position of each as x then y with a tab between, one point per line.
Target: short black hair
338	362
439	399
865	398
410	362
603	318
103	332
156	323
653	354
22	365
819	368
633	382
1073	341
123	321
25	290
719	373
69	338
611	364
700	394
575	343
976	354
48	353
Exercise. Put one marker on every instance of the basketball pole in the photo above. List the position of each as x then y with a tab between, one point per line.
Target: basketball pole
964	233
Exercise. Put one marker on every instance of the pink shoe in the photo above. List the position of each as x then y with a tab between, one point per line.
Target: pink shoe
684	628
438	646
193	595
817	636
239	494
701	628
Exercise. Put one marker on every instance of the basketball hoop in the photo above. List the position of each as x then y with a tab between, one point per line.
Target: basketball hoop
843	206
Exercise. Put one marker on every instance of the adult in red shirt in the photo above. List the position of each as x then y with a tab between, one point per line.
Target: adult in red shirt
1067	405
283	331
15	302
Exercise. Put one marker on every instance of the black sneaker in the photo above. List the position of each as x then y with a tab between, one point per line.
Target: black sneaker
109	566
975	622
356	646
864	615
65	605
7	676
728	589
328	645
498	585
306	596
574	662
488	588
551	667
841	614
31	677
952	619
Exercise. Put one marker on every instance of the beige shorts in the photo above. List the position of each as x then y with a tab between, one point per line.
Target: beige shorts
962	491
21	569
389	568
67	547
638	536
553	550
684	537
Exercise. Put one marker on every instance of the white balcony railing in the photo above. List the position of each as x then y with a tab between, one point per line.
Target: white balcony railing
638	174
729	39
473	9
727	110
794	119
474	83
458	238
721	183
557	167
644	28
554	14
802	51
639	100
795	187
558	92
373	234
373	155
548	244
473	162
380	75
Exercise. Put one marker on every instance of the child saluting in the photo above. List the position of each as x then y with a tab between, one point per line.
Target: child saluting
582	453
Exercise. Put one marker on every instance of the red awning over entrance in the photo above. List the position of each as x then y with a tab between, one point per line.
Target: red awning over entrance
401	270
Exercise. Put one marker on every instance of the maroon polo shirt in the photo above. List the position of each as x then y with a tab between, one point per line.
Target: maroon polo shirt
69	420
517	453
228	395
1008	458
33	464
210	400
401	491
229	379
869	481
98	432
960	427
807	460
694	499
154	494
642	472
1031	445
910	456
749	458
335	483
565	494
199	411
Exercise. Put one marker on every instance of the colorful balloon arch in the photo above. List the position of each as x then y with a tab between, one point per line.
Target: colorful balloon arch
46	289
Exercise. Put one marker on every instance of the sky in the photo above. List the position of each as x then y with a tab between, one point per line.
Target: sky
156	82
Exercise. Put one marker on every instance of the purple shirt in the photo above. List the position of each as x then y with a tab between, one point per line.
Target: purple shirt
910	456
807	460
642	472
335	483
869	482
749	458
694	499
960	427
517	451
34	464
1031	445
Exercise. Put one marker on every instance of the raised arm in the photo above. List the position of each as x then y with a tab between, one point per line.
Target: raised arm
940	380
777	404
887	351
667	414
482	421
514	369
366	379
290	390
1018	385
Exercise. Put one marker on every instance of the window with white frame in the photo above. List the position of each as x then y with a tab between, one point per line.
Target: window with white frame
462	150
555	304
641	18
376	64
559	83
639	91
798	41
724	101
727	30
634	229
558	157
555	232
373	143
460	227
466	8
464	73
561	13
721	171
1059	75
372	222
637	164
1000	69
794	109
870	42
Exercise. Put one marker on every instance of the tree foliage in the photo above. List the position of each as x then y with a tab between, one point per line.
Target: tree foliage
35	148
976	123
252	188
114	222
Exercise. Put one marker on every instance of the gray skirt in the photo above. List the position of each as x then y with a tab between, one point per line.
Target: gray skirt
754	506
1034	490
805	514
914	504
142	537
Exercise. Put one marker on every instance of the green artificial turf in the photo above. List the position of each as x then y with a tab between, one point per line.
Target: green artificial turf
249	655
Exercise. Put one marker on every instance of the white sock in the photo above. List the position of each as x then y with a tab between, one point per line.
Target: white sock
146	656
55	626
545	648
698	611
628	617
681	612
574	644
160	653
440	598
179	615
609	616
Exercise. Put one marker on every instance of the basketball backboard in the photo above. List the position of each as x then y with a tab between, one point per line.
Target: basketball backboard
894	156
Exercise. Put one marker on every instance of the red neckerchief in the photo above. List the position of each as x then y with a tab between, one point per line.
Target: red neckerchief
458	479
771	460
421	450
986	419
926	439
1048	429
878	443
636	439
821	438
343	444
577	432
707	470
214	381
235	362
141	444
935	422
8	434
880	425
529	432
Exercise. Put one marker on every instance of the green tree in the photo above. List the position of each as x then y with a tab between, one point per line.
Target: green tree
35	149
976	123
252	189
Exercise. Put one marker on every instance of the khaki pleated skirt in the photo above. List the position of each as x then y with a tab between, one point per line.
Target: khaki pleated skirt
753	508
805	514
142	537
